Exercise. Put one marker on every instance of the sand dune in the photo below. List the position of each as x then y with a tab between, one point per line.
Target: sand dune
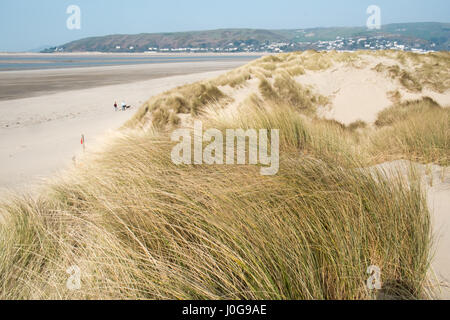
41	135
436	183
360	93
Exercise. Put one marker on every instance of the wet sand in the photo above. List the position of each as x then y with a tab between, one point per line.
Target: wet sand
33	83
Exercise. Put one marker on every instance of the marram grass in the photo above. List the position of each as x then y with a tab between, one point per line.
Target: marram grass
140	227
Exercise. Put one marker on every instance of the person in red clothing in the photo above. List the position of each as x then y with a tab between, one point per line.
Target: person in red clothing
115	106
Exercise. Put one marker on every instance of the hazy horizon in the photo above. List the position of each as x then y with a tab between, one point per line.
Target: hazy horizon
26	25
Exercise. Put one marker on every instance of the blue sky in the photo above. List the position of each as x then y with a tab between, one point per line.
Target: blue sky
28	24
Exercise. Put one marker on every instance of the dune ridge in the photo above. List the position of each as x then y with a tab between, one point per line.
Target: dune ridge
139	226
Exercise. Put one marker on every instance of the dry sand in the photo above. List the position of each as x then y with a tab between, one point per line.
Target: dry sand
360	93
41	135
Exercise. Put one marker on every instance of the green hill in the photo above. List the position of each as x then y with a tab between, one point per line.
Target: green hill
427	36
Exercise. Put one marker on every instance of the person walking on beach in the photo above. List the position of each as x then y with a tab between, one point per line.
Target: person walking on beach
123	106
115	106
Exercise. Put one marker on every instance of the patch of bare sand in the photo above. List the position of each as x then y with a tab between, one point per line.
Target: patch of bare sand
360	93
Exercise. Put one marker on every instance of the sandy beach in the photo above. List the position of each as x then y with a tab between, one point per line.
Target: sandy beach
45	112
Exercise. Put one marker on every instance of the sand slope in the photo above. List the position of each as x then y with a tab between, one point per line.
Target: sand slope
41	135
359	92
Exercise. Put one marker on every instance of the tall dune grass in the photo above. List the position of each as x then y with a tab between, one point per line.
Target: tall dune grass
162	109
417	130
431	70
405	78
285	90
401	111
140	227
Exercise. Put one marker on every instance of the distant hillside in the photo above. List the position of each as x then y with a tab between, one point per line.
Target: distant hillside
408	36
197	39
